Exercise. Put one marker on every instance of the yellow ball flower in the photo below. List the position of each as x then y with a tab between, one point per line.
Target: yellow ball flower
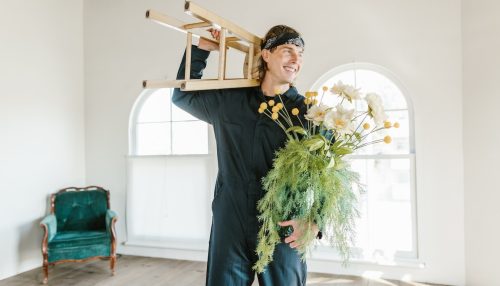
315	101
309	94
295	111
274	116
275	109
307	101
366	126
387	139
396	125
279	105
261	110
263	105
325	88
271	102
387	124
277	91
315	93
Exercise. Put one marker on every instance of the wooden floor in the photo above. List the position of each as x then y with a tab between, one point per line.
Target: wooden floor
146	271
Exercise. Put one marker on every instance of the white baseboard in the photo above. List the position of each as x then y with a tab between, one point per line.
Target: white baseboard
161	250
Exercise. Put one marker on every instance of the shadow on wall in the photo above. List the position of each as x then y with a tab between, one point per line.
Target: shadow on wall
30	244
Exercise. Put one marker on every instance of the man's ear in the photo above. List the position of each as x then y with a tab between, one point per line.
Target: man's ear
265	55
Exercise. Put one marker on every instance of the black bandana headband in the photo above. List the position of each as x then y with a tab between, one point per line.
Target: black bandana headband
283	39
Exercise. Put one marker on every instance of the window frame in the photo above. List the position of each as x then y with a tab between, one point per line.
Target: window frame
132	132
400	256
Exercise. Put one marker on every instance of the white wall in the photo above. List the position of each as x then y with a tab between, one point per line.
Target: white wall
419	41
41	119
481	46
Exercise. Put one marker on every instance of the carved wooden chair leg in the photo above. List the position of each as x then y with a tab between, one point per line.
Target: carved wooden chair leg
112	260
45	271
112	263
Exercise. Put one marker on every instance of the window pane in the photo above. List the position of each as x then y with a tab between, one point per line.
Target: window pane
153	138
190	137
385	225
369	81
155	203
156	107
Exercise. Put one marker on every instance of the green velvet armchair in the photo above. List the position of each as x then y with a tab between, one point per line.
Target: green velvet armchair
80	227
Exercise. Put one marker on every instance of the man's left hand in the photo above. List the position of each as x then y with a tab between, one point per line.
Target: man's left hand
297	233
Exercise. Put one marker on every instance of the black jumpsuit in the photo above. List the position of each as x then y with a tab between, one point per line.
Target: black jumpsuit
246	145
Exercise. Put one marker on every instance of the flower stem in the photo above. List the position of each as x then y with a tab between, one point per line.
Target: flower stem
268	114
322	95
302	124
358	126
284	106
369	143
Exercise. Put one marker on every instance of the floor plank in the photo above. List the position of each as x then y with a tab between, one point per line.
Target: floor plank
147	271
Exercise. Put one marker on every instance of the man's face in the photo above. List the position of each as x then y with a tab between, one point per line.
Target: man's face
283	63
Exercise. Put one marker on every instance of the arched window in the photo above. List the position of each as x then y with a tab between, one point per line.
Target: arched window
158	127
387	229
168	148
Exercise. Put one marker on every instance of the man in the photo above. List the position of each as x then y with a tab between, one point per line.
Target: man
246	145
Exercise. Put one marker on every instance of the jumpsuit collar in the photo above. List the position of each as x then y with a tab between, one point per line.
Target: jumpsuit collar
290	94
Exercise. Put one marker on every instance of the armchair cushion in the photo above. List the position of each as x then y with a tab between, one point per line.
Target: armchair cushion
75	245
81	210
64	239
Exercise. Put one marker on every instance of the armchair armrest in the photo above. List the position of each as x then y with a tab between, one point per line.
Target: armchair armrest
49	223
111	218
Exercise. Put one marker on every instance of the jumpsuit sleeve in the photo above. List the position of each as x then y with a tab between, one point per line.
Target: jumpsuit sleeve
202	104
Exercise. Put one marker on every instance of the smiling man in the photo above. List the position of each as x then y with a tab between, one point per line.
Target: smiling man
246	145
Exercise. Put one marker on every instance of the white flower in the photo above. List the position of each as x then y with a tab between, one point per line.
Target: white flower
317	113
375	108
340	120
346	90
338	88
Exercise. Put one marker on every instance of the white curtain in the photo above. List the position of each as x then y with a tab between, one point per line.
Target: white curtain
168	198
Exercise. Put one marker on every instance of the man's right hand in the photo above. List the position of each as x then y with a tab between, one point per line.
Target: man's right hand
208	45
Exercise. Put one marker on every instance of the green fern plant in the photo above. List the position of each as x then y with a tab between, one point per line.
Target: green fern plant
301	187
